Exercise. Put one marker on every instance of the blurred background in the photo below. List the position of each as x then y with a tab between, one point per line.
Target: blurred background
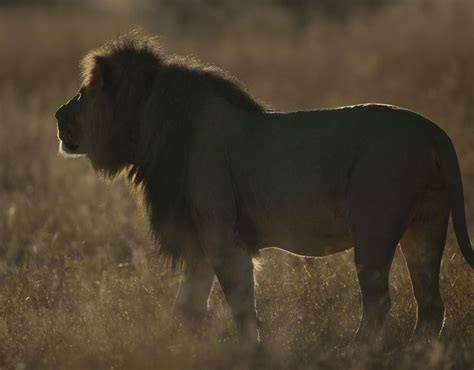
80	283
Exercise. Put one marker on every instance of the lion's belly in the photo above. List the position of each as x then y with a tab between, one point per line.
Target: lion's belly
310	247
305	234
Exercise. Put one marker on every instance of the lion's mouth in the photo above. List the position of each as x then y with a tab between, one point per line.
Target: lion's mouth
70	146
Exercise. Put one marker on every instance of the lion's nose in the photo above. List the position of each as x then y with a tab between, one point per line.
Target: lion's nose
61	113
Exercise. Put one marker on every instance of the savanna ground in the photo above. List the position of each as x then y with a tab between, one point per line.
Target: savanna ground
80	282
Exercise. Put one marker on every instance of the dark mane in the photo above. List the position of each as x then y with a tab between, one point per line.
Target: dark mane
229	88
140	56
171	91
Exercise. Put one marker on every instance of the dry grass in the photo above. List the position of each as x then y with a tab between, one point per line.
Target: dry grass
80	284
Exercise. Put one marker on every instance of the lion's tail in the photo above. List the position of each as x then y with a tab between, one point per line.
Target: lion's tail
452	175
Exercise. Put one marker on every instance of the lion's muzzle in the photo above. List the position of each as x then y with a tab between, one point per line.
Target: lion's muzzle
69	141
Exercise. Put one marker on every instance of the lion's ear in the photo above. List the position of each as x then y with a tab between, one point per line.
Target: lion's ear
106	74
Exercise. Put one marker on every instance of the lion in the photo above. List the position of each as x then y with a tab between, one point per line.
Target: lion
223	177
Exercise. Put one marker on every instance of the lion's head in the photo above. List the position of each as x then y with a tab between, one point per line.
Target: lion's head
101	121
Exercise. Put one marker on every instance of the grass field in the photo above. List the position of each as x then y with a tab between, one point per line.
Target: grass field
81	286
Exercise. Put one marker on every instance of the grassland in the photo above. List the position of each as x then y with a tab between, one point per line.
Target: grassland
80	283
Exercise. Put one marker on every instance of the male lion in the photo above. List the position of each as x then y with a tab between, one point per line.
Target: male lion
223	178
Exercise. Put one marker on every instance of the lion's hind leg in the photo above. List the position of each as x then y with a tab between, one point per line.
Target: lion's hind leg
379	211
377	233
423	246
373	260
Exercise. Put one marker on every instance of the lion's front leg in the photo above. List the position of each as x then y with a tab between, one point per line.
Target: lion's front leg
190	306
215	218
234	270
